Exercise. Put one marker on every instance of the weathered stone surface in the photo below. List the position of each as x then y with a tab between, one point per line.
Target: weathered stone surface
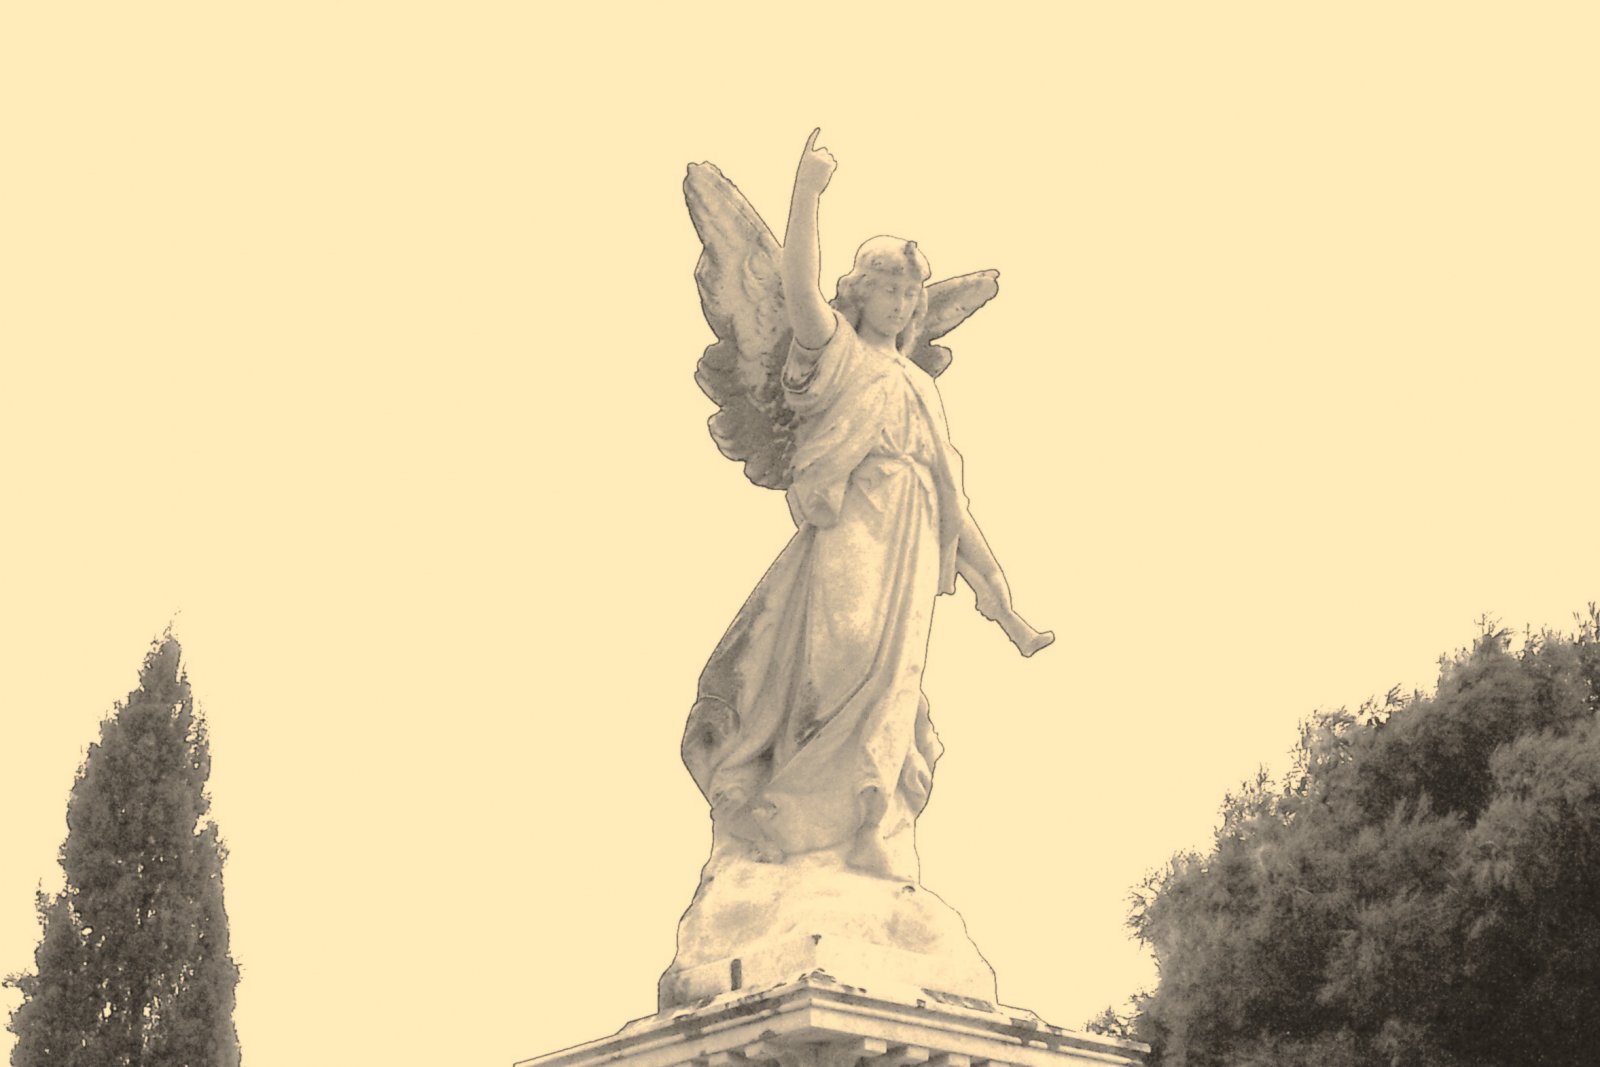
762	924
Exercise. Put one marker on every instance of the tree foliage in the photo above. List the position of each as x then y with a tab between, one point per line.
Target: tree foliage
133	966
1423	888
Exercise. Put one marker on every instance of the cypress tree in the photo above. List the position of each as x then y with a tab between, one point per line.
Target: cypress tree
133	967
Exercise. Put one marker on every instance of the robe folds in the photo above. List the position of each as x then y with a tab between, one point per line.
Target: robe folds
811	730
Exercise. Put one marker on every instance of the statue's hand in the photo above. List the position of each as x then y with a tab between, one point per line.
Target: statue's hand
816	166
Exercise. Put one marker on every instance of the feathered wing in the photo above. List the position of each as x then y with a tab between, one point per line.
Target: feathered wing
950	302
741	293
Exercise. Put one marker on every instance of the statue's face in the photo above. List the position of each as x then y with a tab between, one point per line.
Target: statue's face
891	300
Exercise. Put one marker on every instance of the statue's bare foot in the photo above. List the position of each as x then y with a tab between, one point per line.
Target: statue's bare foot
762	853
763	849
1025	637
870	857
1040	639
736	817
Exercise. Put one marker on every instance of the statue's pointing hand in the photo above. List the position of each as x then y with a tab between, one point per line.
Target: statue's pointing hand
816	166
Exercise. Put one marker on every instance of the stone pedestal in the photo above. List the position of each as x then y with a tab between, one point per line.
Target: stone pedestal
758	925
817	1021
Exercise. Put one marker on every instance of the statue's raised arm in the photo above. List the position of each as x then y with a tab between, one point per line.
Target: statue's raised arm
810	317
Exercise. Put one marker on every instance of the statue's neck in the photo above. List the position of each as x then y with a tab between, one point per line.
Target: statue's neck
879	342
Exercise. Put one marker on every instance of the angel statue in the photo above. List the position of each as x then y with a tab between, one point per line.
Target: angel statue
810	733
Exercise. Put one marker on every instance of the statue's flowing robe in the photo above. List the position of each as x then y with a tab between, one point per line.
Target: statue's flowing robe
811	730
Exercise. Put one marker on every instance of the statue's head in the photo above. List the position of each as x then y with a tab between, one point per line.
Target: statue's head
886	289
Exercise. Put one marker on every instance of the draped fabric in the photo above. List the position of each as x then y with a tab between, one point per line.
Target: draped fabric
811	730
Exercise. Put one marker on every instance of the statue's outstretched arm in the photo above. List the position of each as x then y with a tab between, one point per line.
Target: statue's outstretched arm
976	563
810	317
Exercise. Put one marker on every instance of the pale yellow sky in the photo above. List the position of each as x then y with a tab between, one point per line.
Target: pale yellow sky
360	339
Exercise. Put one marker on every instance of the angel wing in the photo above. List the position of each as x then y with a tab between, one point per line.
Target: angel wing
741	293
950	302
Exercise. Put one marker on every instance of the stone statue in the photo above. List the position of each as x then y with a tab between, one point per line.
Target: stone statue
810	735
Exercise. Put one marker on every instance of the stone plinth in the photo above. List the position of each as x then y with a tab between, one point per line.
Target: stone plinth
759	925
817	1021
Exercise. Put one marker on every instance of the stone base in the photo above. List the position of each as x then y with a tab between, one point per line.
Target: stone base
819	1022
759	925
795	956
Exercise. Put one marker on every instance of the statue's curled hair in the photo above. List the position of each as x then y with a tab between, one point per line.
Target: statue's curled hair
875	258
